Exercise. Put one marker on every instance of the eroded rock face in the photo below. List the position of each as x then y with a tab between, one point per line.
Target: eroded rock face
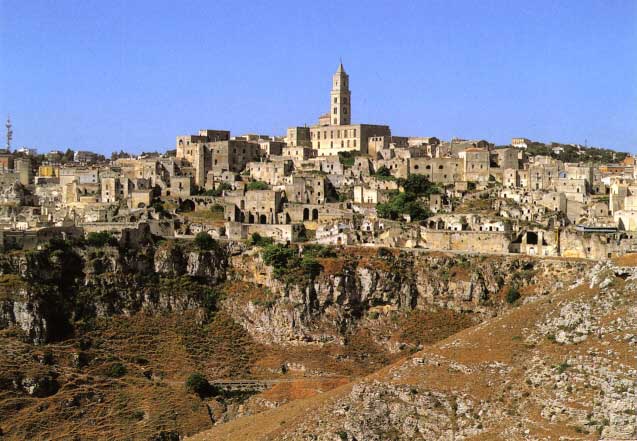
512	377
57	287
43	292
24	310
318	309
41	386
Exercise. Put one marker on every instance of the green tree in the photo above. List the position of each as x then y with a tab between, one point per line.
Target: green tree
257	240
277	255
100	239
382	172
67	156
205	242
403	203
258	185
198	384
116	370
224	186
418	185
311	267
513	295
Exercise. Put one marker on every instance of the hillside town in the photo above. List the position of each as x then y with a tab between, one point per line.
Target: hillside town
336	182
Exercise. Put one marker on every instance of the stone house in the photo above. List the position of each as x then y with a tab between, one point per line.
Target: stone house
477	164
272	172
307	189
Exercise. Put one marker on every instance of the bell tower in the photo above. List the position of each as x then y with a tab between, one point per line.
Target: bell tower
340	103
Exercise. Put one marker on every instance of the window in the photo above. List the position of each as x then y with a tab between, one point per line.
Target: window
354	133
354	143
335	100
335	110
331	134
344	110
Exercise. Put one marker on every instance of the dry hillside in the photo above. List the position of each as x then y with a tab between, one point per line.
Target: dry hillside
561	367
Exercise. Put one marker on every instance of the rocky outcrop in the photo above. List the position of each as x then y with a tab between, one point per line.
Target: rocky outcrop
319	309
61	284
44	292
561	367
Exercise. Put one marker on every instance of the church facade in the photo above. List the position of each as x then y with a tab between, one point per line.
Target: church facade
335	133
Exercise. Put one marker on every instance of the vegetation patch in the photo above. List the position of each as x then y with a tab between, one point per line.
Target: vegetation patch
10	286
409	201
205	242
100	239
257	185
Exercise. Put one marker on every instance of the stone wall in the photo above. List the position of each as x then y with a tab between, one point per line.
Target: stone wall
471	241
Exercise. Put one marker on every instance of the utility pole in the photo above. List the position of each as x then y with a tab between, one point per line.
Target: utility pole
9	132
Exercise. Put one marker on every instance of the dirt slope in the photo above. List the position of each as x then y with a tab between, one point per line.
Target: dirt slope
561	367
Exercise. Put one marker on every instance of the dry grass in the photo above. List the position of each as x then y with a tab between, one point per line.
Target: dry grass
626	260
500	339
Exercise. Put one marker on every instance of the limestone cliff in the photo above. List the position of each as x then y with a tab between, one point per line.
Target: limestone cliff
45	292
364	285
558	368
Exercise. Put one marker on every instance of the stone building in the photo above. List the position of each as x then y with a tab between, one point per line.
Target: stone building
272	173
520	143
180	187
542	176
111	188
271	148
298	153
213	151
6	160
24	170
438	170
476	163
298	137
335	132
307	189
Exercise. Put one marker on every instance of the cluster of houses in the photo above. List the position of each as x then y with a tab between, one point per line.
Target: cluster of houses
324	184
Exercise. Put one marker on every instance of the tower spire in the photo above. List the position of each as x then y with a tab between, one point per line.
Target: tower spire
9	132
340	105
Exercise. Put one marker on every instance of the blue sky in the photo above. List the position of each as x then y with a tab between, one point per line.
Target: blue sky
106	75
